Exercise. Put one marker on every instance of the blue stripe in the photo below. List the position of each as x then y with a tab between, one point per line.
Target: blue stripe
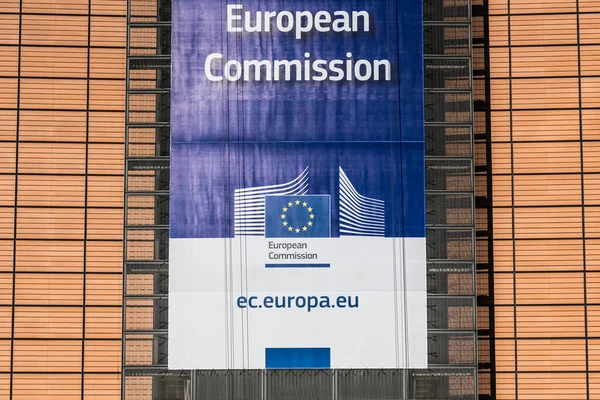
297	265
298	358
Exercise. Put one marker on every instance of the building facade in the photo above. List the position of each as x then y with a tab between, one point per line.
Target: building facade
542	137
512	119
61	238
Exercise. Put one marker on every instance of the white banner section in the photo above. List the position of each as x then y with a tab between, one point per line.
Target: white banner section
254	303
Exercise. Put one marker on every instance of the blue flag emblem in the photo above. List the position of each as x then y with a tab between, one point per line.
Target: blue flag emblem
299	216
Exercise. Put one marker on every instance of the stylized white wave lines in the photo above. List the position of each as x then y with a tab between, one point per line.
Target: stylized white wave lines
359	215
249	204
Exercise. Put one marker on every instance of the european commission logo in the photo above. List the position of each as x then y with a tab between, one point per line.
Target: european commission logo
286	210
297	216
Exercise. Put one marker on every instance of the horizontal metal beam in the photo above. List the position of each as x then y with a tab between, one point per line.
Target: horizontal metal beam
149	24
146	227
149	91
148	124
147	193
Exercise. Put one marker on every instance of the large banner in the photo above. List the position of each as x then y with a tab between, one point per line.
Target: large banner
297	185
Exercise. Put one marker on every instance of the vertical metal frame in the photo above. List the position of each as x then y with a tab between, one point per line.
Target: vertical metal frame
125	188
437	256
16	209
145	17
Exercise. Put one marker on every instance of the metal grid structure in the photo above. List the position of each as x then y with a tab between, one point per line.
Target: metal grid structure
450	233
449	176
483	201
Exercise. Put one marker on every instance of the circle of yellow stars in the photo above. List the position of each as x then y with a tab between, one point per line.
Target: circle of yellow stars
297	203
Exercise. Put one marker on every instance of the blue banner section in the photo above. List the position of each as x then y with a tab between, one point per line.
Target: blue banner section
205	177
298	358
314	110
311	97
297	216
